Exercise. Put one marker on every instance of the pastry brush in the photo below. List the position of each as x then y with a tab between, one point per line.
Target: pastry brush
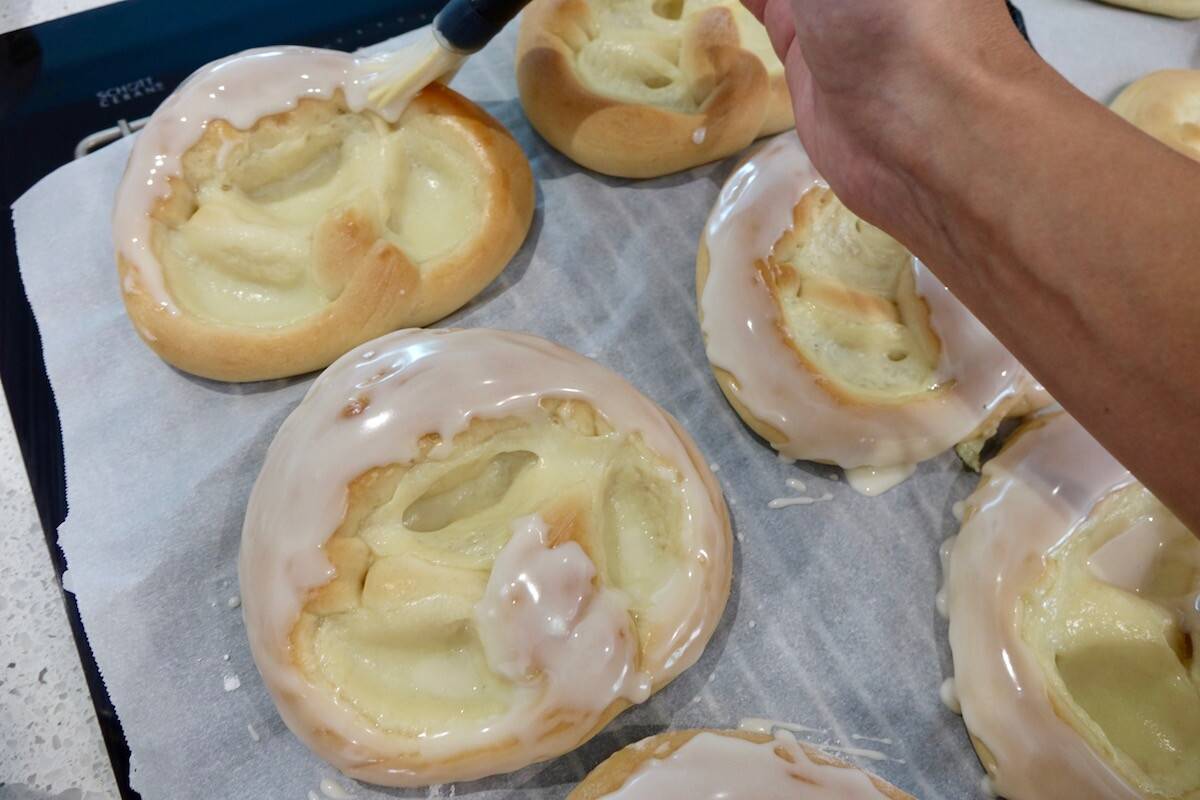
461	28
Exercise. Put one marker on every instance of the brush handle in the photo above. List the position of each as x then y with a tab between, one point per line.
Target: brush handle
465	26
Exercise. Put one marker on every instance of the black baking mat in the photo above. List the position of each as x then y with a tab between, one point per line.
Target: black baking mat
88	78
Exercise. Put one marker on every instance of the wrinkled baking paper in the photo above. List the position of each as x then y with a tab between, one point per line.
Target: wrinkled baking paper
831	624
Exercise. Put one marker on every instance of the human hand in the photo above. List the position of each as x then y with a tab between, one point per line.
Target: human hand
875	83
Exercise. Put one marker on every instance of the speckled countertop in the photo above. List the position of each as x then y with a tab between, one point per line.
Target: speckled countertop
50	745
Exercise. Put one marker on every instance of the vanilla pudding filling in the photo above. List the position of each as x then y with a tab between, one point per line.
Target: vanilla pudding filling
492	546
1073	621
843	347
634	52
413	622
242	233
1166	105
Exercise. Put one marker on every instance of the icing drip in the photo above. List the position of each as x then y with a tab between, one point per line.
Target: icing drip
949	695
334	790
715	767
542	620
786	502
941	599
742	327
762	725
872	481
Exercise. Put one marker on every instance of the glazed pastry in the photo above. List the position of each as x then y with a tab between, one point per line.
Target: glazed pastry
728	765
639	88
1183	9
270	218
468	550
830	340
1074	602
1166	105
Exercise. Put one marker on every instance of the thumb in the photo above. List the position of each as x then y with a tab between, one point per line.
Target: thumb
779	19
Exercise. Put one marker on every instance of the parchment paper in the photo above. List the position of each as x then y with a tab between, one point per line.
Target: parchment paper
831	624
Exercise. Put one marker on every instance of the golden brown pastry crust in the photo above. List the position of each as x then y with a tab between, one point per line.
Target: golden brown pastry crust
636	140
1181	9
1016	406
1161	104
612	773
383	289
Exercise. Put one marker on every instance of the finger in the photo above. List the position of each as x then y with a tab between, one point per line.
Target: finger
755	7
800	83
800	86
780	22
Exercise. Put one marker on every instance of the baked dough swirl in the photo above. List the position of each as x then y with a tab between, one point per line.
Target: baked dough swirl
1166	105
468	550
639	88
1074	603
830	340
270	219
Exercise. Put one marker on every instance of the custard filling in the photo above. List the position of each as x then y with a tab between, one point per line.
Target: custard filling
1113	623
395	633
255	232
634	51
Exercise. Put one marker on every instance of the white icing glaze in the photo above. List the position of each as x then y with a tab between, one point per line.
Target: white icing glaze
858	737
406	385
786	502
742	331
542	620
715	767
859	752
948	692
941	599
763	725
872	481
334	790
1032	496
242	89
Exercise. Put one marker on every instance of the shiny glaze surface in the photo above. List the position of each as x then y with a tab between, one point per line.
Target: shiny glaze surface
746	337
1033	495
370	409
242	89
